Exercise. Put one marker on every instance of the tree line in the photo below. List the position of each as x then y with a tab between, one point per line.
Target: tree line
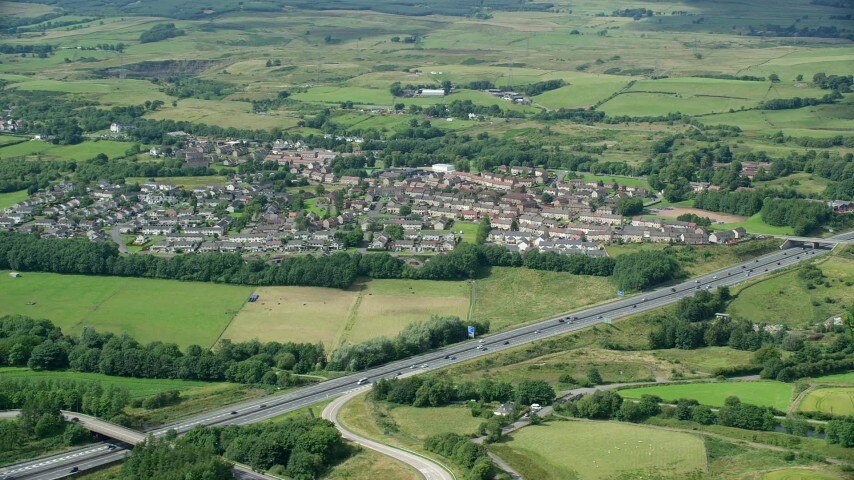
28	252
40	345
420	391
415	338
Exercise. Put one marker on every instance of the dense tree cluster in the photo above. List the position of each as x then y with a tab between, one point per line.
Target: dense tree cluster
167	460
415	338
160	32
637	271
467	455
437	391
78	256
803	216
40	345
299	448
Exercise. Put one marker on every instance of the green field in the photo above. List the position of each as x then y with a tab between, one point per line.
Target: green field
137	387
799	474
836	378
786	299
754	224
769	394
185	182
367	310
469	230
803	183
11	198
600	450
149	309
706	359
528	295
832	400
81	151
420	423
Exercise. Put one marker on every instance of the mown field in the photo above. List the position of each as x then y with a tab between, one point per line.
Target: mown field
769	394
836	378
11	198
599	450
832	400
137	387
149	309
512	296
49	151
184	182
786	298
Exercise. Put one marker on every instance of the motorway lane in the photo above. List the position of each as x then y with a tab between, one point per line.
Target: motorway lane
262	409
429	469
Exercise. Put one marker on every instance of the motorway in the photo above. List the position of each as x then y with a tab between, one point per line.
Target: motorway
257	410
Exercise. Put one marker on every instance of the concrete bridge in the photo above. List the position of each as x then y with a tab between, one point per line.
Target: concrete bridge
815	242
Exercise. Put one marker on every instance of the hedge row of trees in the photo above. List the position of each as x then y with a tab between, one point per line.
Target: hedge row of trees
437	391
472	458
777	207
299	448
78	256
415	338
40	345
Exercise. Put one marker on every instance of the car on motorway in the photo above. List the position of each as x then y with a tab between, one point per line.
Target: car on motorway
506	342
536	331
263	405
74	470
362	381
233	412
634	305
423	365
398	374
111	447
672	289
561	320
412	367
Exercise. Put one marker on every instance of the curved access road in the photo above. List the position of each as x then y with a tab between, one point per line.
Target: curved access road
429	469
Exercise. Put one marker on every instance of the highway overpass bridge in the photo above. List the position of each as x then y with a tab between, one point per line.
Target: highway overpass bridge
816	242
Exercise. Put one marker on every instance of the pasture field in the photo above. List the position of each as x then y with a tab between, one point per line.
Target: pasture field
815	121
513	296
370	309
803	183
581	91
836	378
764	393
184	313
81	151
185	182
699	96
387	306
420	423
706	359
800	474
299	314
832	400
137	387
600	450
226	113
786	299
755	225
9	139
25	10
613	366
11	198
